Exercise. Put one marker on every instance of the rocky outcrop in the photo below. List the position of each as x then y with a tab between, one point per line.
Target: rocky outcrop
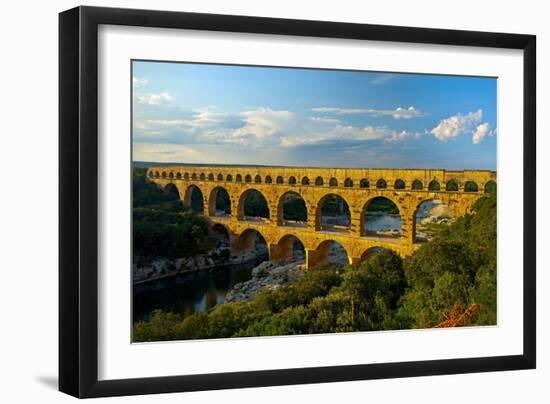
268	275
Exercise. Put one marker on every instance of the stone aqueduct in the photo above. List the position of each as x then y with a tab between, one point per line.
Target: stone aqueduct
406	188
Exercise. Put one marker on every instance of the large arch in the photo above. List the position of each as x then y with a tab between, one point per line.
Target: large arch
251	240
381	217
194	199
428	216
319	181
328	252
288	247
219	202
253	206
333	214
171	188
291	210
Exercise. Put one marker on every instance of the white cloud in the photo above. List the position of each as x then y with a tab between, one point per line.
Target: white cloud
341	133
481	131
163	98
398	113
261	127
470	124
136	81
165	153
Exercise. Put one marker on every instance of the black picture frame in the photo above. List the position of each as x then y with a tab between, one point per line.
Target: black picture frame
78	201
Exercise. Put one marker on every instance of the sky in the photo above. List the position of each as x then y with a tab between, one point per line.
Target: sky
221	114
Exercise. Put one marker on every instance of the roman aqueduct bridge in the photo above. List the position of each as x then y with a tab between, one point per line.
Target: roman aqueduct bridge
406	188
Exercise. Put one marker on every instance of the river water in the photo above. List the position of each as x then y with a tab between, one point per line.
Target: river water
190	292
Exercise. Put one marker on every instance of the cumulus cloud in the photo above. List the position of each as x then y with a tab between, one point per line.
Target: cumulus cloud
261	127
469	124
136	81
397	113
481	131
163	98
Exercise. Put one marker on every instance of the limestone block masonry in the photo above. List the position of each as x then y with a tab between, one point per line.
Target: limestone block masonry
407	188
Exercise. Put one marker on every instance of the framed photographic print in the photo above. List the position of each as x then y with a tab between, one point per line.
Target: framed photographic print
251	201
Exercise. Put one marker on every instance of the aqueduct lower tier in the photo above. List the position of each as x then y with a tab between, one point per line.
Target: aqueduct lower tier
407	189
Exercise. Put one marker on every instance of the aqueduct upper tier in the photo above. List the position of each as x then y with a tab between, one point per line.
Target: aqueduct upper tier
406	188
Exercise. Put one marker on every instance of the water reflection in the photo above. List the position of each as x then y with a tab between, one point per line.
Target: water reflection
189	292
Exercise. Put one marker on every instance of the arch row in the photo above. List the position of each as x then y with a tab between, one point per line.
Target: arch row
418	184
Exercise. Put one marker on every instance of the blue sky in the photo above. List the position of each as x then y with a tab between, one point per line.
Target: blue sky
200	113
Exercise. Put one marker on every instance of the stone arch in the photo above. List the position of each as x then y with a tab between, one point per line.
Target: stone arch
239	178
178	176
210	177
329	252
229	178
364	183
220	177
434	186
194	176
417	185
319	181
163	175
248	178
289	246
186	176
399	184
171	175
150	174
202	177
471	186
451	186
292	180
381	184
194	199
268	179
333	213
258	179
305	181
333	182
280	180
256	209
428	212
348	183
490	187
381	217
251	240
219	202
157	174
291	210
171	188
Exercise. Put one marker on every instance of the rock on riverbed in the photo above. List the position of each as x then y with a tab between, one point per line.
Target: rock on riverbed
268	275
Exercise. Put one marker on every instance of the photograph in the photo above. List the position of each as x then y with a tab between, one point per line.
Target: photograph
271	201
